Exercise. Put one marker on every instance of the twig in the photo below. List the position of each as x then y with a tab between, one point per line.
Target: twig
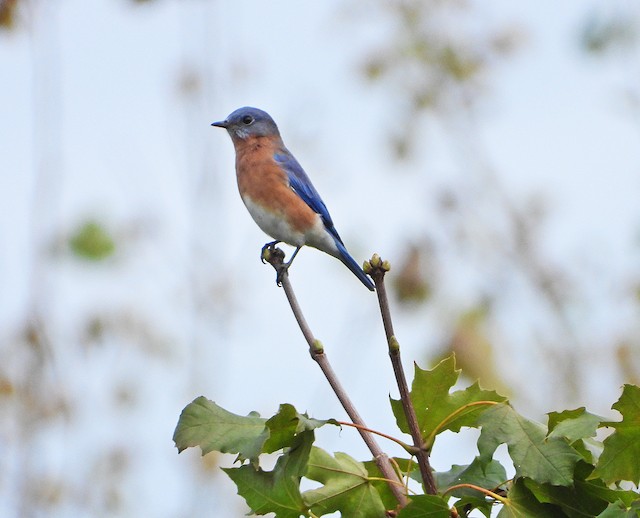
407	447
275	257
377	269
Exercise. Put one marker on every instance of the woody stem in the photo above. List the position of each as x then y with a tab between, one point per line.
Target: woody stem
316	351
377	273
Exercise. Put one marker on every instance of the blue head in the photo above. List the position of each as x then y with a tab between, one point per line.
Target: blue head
248	122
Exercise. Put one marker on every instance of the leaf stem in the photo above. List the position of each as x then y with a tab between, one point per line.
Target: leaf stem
275	257
378	269
407	447
406	474
452	415
487	492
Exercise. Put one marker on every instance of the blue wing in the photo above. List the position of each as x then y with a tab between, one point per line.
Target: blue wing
301	184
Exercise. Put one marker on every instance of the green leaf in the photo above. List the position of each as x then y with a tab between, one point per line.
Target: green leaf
91	241
474	503
621	510
521	503
346	487
581	448
426	506
597	488
549	460
375	477
619	459
286	424
276	491
436	409
576	426
576	502
573	424
205	424
488	476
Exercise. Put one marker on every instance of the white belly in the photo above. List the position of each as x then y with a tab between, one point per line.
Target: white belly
278	228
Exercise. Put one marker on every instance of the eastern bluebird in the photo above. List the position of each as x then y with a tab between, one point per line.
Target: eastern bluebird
278	193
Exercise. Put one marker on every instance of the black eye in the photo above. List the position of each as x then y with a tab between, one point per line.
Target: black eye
247	119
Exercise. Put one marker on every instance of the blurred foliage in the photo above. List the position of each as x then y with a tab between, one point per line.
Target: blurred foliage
602	34
92	241
474	349
612	32
125	325
628	359
8	13
189	81
411	281
429	66
6	387
9	16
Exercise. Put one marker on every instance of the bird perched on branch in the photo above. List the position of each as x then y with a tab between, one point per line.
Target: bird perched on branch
278	193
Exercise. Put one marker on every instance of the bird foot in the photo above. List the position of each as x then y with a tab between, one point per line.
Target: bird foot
275	257
267	250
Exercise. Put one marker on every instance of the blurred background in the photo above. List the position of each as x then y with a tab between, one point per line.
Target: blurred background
491	152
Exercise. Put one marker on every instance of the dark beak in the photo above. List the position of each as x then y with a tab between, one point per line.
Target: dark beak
220	124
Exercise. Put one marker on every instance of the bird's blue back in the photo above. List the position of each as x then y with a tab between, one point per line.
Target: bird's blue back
302	185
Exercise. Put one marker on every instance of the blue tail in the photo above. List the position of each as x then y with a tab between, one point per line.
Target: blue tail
353	266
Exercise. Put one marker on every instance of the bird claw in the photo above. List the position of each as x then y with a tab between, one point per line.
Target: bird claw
267	250
277	261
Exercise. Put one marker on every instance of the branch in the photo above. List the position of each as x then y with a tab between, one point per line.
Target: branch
377	269
275	257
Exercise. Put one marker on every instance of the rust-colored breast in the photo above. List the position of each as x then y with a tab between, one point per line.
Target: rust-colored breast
262	180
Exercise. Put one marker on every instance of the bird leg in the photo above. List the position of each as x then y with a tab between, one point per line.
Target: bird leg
285	266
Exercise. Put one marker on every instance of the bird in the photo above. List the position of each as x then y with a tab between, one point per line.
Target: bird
278	193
